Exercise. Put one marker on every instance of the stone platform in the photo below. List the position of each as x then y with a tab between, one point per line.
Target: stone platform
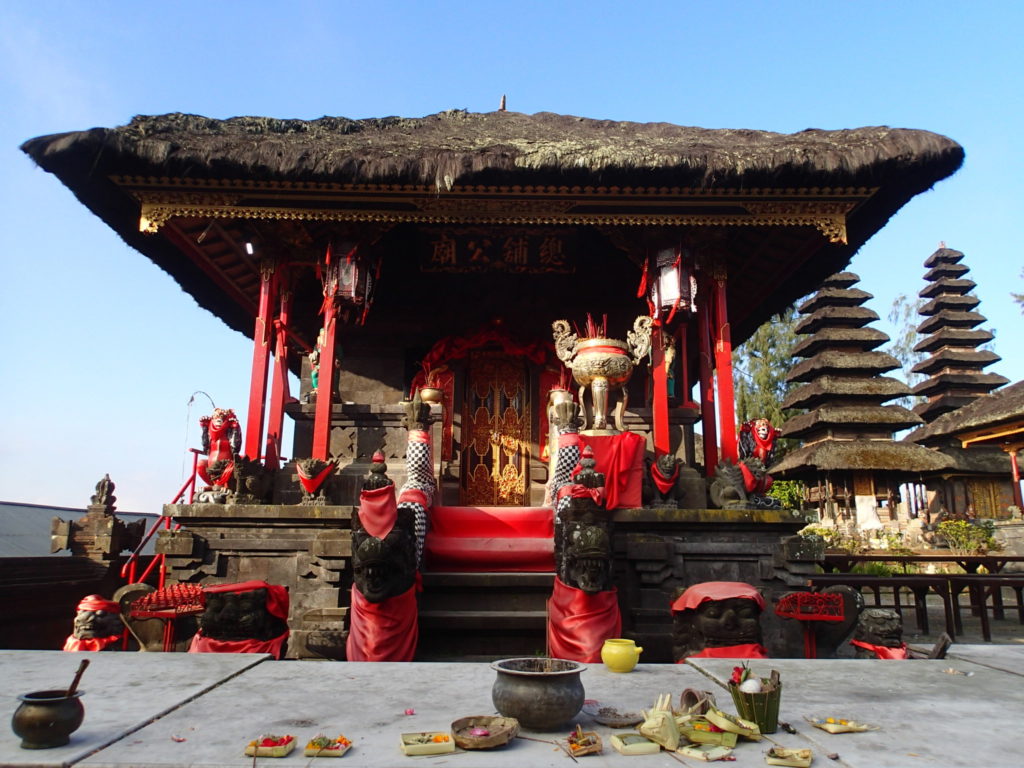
170	710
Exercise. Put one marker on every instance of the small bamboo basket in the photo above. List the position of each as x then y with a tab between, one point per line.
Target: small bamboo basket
761	708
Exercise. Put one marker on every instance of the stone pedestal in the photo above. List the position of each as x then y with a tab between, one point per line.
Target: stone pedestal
304	548
660	552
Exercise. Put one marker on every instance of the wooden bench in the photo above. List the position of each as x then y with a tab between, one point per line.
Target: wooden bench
918	585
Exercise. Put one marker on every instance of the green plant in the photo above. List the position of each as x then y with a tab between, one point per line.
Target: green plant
893	541
875	569
965	538
790	493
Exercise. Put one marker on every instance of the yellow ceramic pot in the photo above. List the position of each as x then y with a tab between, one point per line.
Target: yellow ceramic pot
619	654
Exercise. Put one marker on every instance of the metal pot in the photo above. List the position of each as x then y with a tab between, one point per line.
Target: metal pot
541	693
47	719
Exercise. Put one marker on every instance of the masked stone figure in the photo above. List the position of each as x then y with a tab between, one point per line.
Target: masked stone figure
745	485
879	635
97	626
387	542
718	619
222	440
583	610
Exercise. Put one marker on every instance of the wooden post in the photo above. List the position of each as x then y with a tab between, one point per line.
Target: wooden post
325	384
660	381
723	371
707	388
260	359
279	386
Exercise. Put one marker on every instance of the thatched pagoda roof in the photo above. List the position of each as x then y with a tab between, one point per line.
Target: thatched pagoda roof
1004	406
860	455
455	150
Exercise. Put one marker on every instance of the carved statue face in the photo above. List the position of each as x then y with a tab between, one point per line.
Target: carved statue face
732	621
880	626
666	464
90	625
763	428
382	568
238	616
589	560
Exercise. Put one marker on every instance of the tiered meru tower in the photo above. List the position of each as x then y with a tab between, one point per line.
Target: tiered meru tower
955	362
849	456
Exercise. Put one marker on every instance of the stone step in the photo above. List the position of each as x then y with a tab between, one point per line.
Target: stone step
482	591
482	619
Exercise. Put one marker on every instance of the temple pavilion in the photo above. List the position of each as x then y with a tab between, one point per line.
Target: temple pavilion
385	254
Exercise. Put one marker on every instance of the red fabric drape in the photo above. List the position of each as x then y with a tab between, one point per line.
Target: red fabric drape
744	651
90	644
202	644
385	631
579	623
663	483
883	651
378	511
621	459
716	590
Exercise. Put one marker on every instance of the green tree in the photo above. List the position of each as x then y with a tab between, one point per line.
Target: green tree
905	316
1019	297
760	366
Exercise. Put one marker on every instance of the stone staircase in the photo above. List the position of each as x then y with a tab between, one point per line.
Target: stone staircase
488	572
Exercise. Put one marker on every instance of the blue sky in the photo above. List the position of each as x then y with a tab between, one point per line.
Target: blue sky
102	351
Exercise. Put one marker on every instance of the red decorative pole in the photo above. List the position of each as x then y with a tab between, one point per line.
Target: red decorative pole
279	386
1015	467
660	371
260	358
707	388
723	371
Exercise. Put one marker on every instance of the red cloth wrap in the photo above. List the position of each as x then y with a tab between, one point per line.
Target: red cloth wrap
579	623
751	483
378	511
202	644
716	590
577	491
413	495
621	459
744	651
385	631
90	643
314	482
663	483
97	603
418	436
568	438
883	651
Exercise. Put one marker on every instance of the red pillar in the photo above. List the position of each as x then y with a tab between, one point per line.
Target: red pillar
325	384
279	386
723	372
1016	479
660	381
260	358
707	388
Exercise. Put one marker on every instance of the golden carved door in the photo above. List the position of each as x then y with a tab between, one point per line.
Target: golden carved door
495	431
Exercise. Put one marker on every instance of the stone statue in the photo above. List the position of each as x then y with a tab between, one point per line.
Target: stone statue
100	535
879	635
314	479
222	440
97	626
383	539
251	483
239	616
104	496
745	485
585	550
417	493
718	619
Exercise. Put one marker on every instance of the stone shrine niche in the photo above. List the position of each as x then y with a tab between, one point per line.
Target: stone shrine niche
718	619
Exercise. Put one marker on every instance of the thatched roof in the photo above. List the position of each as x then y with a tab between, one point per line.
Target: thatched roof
1005	405
456	149
459	146
867	455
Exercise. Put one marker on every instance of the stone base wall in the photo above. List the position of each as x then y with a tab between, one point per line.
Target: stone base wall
307	549
660	552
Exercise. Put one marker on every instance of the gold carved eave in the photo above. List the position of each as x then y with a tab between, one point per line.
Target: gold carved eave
826	209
